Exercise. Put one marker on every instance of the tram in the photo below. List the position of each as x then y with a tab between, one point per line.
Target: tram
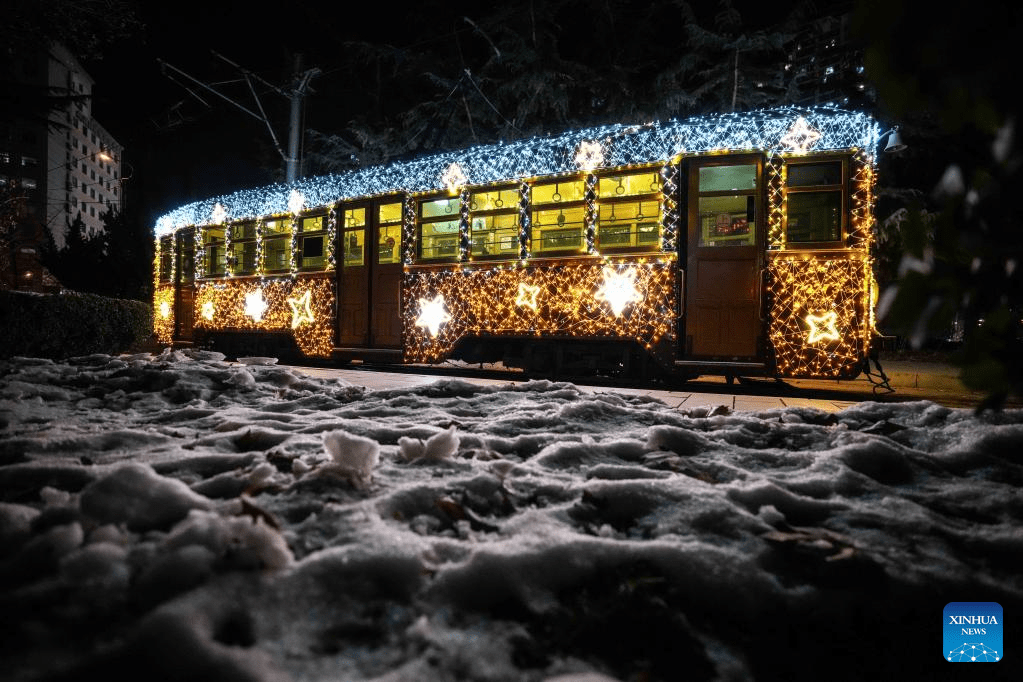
736	245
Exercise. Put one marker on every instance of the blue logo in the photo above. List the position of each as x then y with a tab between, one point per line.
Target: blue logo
972	632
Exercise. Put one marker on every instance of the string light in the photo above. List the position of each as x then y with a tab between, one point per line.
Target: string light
622	145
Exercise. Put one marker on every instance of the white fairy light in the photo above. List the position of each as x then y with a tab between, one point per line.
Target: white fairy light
219	214
830	129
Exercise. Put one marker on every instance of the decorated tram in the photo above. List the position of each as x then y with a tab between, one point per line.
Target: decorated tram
736	245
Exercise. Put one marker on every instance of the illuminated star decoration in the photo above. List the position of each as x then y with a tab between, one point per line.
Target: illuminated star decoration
301	309
823	327
800	137
589	155
432	314
207	311
295	202
527	295
255	306
219	214
165	310
453	177
618	289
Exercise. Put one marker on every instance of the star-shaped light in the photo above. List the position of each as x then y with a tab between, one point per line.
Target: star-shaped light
800	137
432	314
255	305
454	177
207	311
823	327
165	310
618	289
527	295
301	309
295	202
219	214
589	155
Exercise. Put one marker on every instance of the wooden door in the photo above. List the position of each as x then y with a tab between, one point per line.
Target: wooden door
353	277
184	285
386	269
724	260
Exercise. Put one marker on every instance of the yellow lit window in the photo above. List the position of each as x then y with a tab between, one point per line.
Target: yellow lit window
558	217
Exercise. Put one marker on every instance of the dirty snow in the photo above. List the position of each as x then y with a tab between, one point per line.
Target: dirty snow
179	517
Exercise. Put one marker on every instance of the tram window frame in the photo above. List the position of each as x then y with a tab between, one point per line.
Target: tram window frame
545	238
449	240
737	217
306	258
352	235
276	241
185	253
389	232
243	248
643	233
166	258
499	242
817	190
214	253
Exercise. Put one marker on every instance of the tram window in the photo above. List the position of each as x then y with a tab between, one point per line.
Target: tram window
622	224
213	251
243	248
389	233
276	253
494	223
186	257
726	205
558	221
353	245
438	237
311	241
814	212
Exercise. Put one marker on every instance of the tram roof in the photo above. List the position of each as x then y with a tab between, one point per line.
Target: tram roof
780	130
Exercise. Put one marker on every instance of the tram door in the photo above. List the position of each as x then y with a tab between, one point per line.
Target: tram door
370	274
184	286
724	260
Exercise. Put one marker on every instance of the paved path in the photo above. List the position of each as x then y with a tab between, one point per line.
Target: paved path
912	381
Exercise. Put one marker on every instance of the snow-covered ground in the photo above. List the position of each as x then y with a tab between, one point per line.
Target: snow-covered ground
180	517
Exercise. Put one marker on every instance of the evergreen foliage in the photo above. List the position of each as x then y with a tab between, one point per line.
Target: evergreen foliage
70	324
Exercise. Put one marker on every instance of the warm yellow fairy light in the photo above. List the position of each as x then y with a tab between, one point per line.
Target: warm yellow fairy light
207	310
163	325
255	305
527	295
618	289
165	310
453	177
484	301
800	137
432	314
822	327
301	309
589	155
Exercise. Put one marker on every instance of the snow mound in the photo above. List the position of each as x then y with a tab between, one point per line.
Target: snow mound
354	456
139	497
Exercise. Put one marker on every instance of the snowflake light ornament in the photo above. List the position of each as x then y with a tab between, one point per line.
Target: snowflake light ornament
432	314
296	202
219	215
255	305
453	177
589	155
800	137
618	289
823	327
301	309
527	295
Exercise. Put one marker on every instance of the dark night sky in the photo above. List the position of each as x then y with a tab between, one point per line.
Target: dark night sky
219	149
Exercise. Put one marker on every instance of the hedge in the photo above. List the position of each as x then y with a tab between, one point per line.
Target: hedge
59	326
